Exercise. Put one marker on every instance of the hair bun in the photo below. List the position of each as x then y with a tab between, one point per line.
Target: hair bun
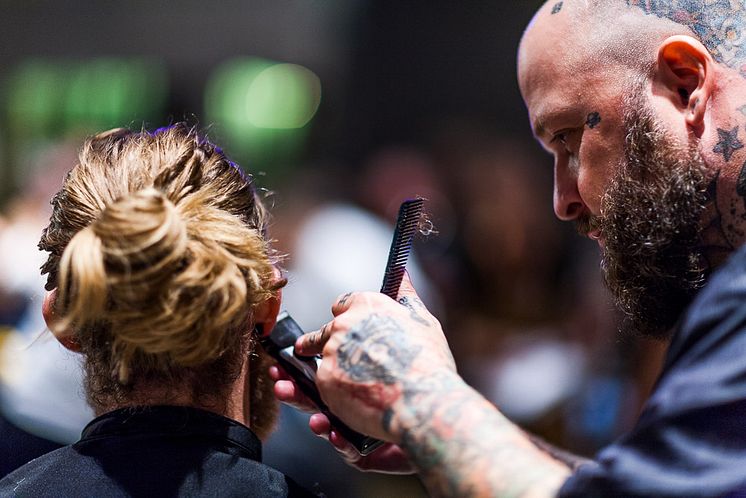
142	234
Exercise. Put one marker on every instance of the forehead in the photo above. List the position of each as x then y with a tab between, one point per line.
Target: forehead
560	74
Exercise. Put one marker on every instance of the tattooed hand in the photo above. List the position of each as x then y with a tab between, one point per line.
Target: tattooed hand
372	349
387	372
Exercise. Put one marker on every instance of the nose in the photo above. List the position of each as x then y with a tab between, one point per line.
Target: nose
568	204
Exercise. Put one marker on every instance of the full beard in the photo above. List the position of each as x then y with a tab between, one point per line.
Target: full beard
650	224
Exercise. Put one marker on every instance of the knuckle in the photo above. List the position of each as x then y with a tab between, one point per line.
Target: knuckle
342	323
344	297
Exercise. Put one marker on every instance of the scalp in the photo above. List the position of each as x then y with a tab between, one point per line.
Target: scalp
627	32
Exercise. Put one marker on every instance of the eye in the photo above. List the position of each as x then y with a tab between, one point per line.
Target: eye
560	137
563	138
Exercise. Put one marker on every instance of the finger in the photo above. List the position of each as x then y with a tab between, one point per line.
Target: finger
343	303
406	288
344	447
313	342
288	392
276	373
320	425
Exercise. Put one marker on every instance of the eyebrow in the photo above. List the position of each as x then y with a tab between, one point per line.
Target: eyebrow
542	117
538	128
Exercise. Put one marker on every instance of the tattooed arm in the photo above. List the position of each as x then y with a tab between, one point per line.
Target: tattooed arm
571	460
388	372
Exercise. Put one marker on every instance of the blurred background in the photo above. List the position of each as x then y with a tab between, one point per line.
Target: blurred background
341	109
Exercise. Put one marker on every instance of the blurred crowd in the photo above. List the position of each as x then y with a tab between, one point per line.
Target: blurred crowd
519	295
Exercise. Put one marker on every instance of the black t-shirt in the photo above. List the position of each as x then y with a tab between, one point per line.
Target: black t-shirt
690	440
163	451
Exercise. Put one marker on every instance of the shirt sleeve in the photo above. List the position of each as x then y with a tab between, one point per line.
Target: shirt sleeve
690	440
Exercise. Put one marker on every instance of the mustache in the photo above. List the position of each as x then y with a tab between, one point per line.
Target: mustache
587	223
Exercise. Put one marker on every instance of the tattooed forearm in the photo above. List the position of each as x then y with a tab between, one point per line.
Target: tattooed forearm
460	443
569	459
464	447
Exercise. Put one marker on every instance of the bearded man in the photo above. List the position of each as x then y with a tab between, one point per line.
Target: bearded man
642	103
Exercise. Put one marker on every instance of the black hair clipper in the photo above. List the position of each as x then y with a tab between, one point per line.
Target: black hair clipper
280	345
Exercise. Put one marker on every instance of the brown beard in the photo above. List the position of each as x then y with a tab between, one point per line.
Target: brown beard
650	224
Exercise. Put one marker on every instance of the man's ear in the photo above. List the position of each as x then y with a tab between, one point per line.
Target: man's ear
686	71
265	314
65	337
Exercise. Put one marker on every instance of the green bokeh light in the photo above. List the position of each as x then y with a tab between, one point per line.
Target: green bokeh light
283	96
49	98
263	109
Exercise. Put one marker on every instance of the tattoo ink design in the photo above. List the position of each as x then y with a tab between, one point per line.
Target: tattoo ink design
317	337
742	110
593	120
343	300
714	230
410	304
557	7
438	435
717	23
377	351
741	184
728	143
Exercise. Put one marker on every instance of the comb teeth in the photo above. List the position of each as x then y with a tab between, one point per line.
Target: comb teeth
406	224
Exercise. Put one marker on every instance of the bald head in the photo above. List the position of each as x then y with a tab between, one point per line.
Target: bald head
596	34
626	31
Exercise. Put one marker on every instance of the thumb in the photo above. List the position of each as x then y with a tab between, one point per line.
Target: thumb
406	288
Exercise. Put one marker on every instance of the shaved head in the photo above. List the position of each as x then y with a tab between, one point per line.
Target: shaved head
627	32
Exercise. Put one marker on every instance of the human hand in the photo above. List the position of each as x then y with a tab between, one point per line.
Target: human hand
374	351
388	459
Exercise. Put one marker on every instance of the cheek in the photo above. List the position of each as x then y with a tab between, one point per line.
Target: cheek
599	161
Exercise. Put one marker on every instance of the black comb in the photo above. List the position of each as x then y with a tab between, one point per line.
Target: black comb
406	224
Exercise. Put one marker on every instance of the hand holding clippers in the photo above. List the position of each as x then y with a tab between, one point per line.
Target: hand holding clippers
280	342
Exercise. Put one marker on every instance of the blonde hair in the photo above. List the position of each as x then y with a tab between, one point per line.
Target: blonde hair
158	251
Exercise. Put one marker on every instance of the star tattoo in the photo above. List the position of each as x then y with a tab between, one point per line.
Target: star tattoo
728	143
557	7
593	120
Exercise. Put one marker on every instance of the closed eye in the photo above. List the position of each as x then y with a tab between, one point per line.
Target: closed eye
562	138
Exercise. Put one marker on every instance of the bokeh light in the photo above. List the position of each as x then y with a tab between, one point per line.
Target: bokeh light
263	109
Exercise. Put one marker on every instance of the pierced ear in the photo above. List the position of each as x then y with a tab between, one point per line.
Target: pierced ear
66	337
685	69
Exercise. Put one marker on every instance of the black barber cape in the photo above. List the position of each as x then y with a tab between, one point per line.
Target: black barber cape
163	451
690	440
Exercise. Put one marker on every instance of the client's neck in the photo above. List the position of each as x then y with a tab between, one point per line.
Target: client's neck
231	403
